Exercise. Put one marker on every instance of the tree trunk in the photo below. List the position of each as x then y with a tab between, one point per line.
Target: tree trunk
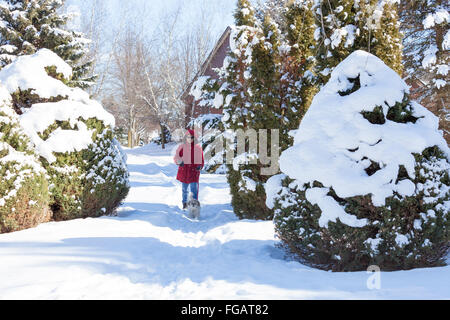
130	139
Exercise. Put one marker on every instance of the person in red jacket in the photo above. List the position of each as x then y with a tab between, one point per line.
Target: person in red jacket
190	160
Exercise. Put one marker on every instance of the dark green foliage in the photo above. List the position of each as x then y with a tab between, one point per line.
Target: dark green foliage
422	218
89	183
240	111
260	110
25	99
271	92
343	248
357	26
86	183
244	14
400	113
356	85
248	204
211	128
297	82
164	137
376	116
28	26
24	194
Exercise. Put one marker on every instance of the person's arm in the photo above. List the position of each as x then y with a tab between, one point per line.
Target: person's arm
178	157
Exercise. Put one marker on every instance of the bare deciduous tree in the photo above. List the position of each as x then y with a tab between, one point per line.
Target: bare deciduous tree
130	58
144	65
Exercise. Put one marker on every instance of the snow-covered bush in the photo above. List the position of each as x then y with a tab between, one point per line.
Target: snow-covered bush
208	124
164	137
27	26
367	180
72	134
210	128
23	186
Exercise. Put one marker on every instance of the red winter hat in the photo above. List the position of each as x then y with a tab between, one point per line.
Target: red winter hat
191	132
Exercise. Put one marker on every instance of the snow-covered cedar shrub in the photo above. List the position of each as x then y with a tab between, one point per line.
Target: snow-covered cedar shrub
367	180
207	94
72	134
246	108
211	128
165	135
27	26
23	186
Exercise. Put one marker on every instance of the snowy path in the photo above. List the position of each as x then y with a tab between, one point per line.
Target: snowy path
151	250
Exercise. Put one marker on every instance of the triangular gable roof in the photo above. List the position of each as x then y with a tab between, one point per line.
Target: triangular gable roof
205	65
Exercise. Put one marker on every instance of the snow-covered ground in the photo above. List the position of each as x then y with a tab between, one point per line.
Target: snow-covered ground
152	250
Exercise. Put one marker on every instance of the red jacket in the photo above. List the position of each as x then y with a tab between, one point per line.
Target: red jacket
192	157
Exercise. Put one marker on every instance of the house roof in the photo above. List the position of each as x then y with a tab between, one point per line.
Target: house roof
207	62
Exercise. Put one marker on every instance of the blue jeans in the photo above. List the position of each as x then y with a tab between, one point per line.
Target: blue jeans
194	189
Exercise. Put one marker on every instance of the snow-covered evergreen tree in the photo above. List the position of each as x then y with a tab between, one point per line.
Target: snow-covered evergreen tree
240	110
165	136
244	15
29	25
262	111
276	9
209	127
367	180
425	24
344	26
297	81
236	69
281	88
72	134
24	196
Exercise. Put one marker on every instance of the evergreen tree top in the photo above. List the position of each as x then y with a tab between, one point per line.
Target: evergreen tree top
244	14
344	26
30	25
275	8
